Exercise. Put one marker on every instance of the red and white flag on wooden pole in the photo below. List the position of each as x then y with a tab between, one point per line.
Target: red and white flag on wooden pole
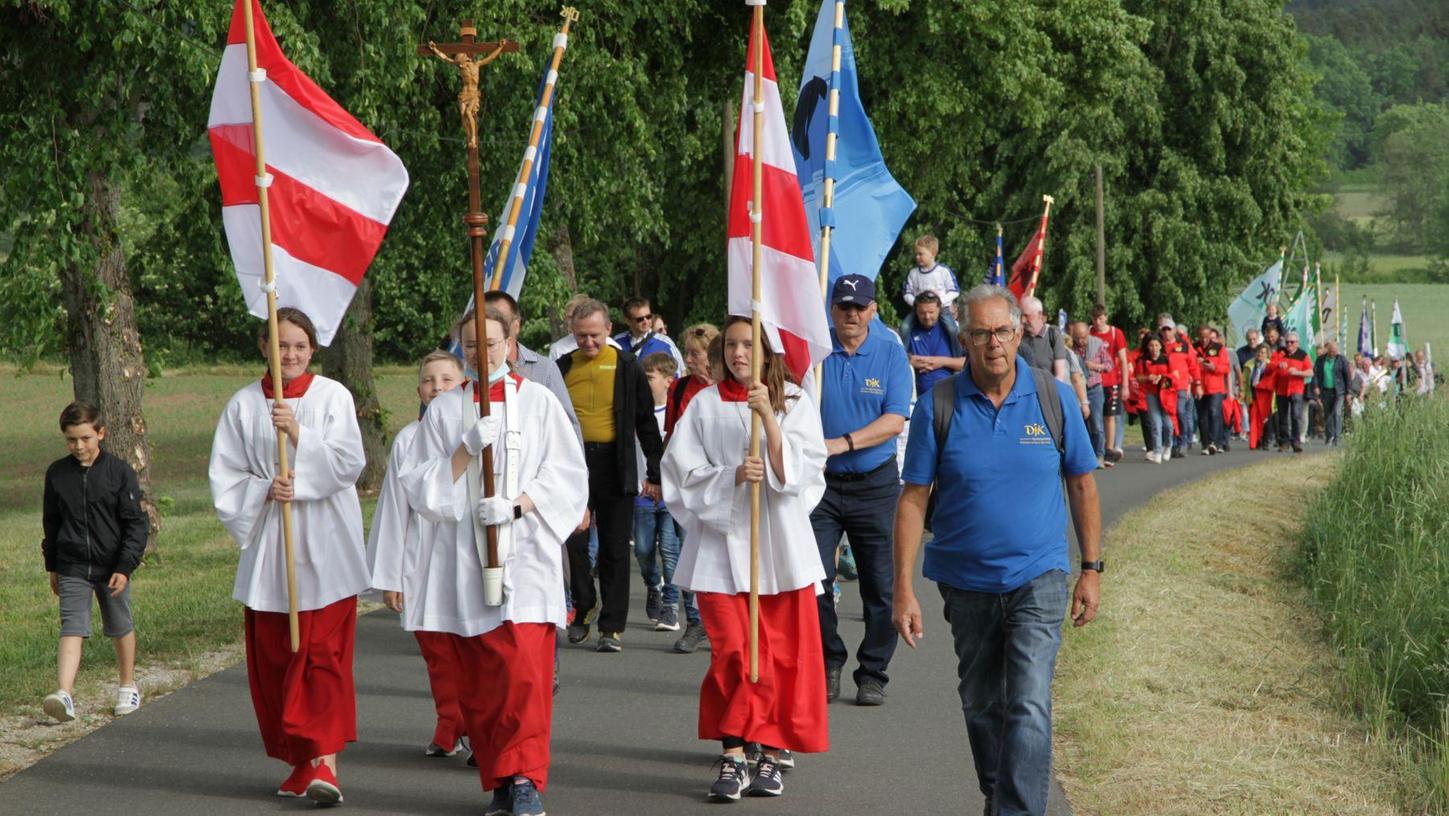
334	186
791	313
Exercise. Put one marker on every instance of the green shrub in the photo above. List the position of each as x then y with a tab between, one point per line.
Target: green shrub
1376	545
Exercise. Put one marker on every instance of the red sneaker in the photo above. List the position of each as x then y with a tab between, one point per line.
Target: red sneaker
323	788
295	786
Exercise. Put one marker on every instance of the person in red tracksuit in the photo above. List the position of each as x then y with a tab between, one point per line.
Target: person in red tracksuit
1258	384
1153	372
1292	368
1186	381
1216	363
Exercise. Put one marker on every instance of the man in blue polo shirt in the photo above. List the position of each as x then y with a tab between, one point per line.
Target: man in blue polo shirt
865	396
932	348
999	556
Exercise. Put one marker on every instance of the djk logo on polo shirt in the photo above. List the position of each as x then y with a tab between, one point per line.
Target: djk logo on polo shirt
1036	434
872	386
1036	429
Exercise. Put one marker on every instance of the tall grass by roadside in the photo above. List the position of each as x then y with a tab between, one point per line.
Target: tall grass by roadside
1376	557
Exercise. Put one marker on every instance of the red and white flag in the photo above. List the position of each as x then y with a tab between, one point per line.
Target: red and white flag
1024	273
334	187
791	310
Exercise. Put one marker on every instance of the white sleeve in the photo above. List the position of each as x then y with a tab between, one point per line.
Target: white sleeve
428	482
696	489
560	488
386	541
802	443
239	495
329	459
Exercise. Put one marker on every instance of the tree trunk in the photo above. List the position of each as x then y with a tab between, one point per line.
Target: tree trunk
349	361
562	249
104	346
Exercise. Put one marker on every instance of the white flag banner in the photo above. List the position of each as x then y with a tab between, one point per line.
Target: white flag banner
1249	307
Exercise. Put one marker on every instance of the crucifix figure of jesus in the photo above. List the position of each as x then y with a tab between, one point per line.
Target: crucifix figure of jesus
462	54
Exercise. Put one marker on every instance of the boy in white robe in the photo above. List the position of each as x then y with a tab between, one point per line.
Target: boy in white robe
394	550
707	474
305	700
505	653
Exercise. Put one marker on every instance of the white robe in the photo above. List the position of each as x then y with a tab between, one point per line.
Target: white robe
326	515
392	541
443	591
709	442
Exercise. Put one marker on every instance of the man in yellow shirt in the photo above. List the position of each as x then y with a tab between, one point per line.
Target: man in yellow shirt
611	397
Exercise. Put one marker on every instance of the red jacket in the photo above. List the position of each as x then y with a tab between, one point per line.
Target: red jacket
1166	388
1284	383
1215	379
1183	362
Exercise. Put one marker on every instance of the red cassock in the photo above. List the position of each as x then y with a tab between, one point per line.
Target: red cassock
505	690
786	708
443	675
305	700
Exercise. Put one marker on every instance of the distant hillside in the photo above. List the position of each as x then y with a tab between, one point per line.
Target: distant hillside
1372	24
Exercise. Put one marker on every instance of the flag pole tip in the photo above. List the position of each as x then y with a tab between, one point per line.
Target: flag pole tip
754	2
570	13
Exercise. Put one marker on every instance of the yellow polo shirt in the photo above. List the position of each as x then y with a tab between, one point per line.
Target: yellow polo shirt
591	387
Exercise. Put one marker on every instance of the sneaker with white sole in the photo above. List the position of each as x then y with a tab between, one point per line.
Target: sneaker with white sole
436	750
767	781
785	759
734	775
526	801
668	620
323	789
59	706
295	785
128	699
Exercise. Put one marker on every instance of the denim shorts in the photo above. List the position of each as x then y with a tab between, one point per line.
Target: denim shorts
75	608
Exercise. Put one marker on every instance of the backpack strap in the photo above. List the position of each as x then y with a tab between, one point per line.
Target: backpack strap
1051	407
943	405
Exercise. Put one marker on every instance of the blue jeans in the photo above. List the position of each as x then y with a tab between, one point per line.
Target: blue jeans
1006	651
1290	420
656	532
1095	424
1210	421
1186	420
1157	423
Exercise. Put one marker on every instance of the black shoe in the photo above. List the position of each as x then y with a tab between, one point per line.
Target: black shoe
832	683
690	640
1297	448
653	603
987	810
578	632
611	642
785	759
734	774
870	692
502	804
767	781
1177	453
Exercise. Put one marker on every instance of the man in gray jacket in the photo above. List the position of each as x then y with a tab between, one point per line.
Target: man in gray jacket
530	363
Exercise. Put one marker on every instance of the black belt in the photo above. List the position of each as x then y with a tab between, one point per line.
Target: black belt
856	477
599	446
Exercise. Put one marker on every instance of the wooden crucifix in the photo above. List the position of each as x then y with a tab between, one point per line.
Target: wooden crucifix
465	54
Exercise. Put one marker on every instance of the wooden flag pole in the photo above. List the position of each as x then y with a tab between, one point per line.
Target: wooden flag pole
829	194
263	181
756	358
1040	250
525	170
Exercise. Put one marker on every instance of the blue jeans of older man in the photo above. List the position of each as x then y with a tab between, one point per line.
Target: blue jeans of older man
1186	420
1006	651
1096	428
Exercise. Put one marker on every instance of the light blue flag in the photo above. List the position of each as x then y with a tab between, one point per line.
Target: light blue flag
869	206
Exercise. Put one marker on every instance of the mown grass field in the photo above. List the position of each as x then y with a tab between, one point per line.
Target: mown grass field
182	594
1207	685
1425	307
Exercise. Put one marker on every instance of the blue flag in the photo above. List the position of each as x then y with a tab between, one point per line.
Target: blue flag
1365	340
869	206
532	191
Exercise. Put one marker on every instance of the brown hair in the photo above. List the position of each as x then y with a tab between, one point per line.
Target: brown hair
660	362
297	318
929	242
772	367
700	335
81	413
437	356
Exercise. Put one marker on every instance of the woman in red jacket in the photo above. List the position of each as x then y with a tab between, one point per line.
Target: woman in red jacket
1259	381
1154	376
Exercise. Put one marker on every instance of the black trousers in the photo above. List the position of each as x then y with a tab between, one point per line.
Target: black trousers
865	510
613	512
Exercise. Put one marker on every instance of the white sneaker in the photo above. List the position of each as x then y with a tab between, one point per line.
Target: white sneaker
59	706
1152	457
128	699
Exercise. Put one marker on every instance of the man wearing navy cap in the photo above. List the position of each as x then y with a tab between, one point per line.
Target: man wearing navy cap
865	399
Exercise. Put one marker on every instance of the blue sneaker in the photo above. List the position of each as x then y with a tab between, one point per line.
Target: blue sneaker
734	775
526	801
502	804
845	565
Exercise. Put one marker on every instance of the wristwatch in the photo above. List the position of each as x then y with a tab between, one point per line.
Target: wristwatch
1095	566
518	514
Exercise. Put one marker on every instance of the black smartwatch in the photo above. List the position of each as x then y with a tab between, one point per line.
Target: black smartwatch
1095	566
518	514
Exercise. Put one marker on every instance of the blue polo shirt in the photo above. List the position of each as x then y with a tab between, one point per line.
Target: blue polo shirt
1001	516
857	389
932	342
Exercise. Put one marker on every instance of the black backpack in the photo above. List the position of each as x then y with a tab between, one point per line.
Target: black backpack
943	399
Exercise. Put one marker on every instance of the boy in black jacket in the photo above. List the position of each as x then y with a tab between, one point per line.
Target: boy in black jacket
95	534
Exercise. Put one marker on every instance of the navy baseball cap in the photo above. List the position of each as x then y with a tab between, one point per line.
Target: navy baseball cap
856	289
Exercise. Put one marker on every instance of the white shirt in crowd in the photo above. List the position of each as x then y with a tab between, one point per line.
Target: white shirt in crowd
709	442
939	279
392	541
326	515
567	345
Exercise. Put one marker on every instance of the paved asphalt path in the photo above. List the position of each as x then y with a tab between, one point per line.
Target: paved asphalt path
623	737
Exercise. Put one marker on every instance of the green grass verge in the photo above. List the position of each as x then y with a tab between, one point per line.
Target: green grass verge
1425	307
1206	686
182	593
1376	556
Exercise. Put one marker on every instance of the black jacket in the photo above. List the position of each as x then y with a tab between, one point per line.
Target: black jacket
633	409
1341	374
94	524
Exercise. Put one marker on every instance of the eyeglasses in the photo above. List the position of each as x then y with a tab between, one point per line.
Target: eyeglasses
980	337
643	318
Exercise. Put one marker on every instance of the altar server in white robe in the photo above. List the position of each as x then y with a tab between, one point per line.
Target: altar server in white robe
505	652
707	476
305	701
394	550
